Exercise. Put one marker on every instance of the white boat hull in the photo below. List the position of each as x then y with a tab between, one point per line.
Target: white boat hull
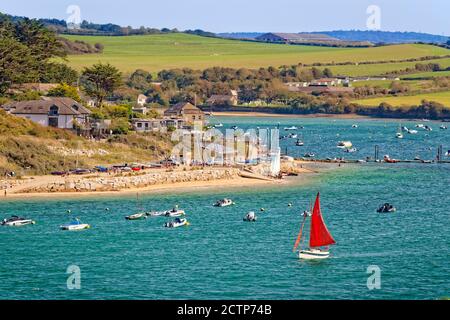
174	224
313	254
77	227
175	214
20	223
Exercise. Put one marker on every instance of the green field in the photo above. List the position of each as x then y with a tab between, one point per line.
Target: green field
425	75
382	68
414	84
156	52
441	97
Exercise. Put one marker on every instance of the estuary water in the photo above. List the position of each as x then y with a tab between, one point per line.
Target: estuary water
221	257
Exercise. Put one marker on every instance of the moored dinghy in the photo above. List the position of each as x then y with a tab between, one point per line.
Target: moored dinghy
177	223
319	236
224	203
136	216
16	221
75	225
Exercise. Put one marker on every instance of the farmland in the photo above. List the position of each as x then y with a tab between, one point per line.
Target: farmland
167	51
441	97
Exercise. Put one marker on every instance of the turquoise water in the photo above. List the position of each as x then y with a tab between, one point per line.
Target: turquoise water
221	257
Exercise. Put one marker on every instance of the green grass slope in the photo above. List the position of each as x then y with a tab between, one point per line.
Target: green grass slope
28	148
156	52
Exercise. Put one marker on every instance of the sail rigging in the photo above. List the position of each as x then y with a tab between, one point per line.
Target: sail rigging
320	236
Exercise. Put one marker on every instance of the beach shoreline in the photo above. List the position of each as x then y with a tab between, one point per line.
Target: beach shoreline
37	187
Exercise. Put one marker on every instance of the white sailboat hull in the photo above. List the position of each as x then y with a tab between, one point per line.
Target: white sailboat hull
313	254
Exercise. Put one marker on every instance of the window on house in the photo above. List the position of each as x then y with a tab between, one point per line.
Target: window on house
53	111
139	125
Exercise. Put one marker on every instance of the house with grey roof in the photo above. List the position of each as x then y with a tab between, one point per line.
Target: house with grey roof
58	112
185	111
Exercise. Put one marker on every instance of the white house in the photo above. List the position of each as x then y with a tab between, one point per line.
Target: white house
51	112
141	100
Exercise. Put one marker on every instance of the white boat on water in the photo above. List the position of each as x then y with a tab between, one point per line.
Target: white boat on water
293	136
224	203
351	150
447	154
175	212
156	214
299	143
399	135
16	221
251	217
75	225
412	131
443	127
345	144
137	216
177	223
320	238
219	125
291	128
355	126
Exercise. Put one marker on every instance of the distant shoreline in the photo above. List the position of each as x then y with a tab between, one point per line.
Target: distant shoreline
283	115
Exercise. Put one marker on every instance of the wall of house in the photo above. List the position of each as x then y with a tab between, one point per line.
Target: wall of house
65	122
41	119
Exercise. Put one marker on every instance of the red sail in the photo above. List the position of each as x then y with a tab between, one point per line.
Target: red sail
320	236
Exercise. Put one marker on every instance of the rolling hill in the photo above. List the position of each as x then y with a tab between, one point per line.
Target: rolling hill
179	50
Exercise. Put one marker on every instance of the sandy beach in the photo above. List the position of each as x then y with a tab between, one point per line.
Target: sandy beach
24	188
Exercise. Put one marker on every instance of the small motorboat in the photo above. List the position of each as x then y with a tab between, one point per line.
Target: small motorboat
345	144
351	150
137	216
386	208
412	131
291	128
156	214
428	128
355	126
16	221
420	126
443	127
177	223
399	135
293	136
175	212
388	159
219	125
234	127
250	217
309	155
447	154
299	143
75	225
224	203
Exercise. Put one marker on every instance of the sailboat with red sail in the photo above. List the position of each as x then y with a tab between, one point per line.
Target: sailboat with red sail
320	238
